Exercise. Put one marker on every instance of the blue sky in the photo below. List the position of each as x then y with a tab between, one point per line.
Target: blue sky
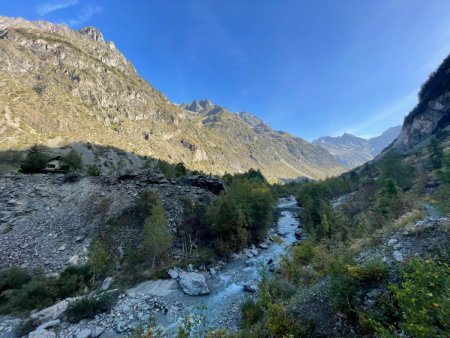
312	68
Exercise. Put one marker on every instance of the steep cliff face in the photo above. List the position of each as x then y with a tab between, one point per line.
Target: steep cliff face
431	114
59	86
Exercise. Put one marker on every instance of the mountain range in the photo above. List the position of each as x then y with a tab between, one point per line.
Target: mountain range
352	151
66	88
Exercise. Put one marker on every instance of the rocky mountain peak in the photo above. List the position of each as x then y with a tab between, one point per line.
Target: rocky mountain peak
253	121
352	151
199	106
93	33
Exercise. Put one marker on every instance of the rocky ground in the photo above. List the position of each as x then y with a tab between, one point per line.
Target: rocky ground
48	222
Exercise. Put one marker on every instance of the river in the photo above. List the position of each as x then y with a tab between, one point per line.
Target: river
221	308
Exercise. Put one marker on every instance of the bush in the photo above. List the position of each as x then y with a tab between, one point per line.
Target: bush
100	262
424	299
73	280
252	313
281	323
73	160
348	279
22	291
13	278
93	170
35	161
306	264
89	307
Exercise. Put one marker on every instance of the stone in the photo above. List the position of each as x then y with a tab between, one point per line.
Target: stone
173	273
107	283
41	334
264	246
398	256
392	242
251	287
212	271
110	334
73	260
49	324
193	283
62	247
53	312
85	333
159	287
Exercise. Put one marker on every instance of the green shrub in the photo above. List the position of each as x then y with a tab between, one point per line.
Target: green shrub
252	313
73	160
73	280
306	264
35	294
13	278
35	161
89	307
424	298
282	324
100	262
93	170
348	279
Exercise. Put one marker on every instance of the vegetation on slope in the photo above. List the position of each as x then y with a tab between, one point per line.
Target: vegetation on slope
380	199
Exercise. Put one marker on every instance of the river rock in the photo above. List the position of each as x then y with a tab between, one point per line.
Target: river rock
41	334
251	287
173	273
85	333
264	246
48	325
397	256
193	283
107	283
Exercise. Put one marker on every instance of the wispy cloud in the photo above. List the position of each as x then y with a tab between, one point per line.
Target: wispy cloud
49	7
85	15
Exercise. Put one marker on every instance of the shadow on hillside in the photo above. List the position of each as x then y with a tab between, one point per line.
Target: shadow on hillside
110	160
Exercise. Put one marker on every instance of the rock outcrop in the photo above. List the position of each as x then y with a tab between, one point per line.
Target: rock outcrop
431	114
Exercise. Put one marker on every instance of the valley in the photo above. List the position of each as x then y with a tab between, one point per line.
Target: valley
123	214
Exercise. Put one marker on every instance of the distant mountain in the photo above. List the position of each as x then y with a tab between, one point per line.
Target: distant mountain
352	151
60	87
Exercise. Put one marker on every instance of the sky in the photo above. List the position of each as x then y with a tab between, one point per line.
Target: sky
312	68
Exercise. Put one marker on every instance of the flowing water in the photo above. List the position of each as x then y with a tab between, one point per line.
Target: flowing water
221	307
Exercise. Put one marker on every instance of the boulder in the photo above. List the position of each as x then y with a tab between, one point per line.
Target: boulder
85	333
193	283
41	334
53	312
107	283
173	273
48	325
